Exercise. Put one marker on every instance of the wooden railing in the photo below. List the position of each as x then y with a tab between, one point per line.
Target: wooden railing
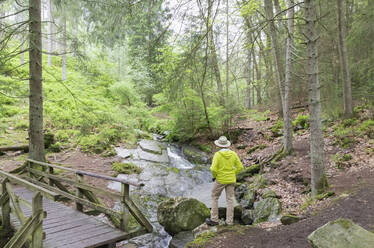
31	231
85	195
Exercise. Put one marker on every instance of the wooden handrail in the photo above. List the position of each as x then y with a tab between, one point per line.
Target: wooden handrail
45	192
88	173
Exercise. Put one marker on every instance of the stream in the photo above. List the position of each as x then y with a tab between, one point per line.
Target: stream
166	172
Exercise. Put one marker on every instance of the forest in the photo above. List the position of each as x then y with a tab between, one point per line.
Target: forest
141	89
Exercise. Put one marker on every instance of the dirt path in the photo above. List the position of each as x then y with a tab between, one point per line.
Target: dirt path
358	207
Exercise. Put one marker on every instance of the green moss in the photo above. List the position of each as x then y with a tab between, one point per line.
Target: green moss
346	224
201	240
205	148
126	168
173	169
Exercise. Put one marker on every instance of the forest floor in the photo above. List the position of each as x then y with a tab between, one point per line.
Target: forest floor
352	181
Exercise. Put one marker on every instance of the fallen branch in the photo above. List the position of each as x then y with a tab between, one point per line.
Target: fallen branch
24	148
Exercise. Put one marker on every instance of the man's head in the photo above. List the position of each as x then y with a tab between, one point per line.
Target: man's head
222	142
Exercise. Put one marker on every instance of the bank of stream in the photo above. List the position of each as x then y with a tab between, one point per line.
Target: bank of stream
166	172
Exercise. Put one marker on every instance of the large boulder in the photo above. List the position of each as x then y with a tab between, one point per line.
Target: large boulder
266	210
341	233
181	214
195	155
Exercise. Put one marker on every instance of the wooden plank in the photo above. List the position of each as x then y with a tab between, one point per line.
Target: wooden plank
87	173
82	201
104	239
46	193
80	233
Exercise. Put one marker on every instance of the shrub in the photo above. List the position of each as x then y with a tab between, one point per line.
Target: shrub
301	122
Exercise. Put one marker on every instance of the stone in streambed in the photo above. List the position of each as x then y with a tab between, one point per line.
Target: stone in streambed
341	233
181	214
194	155
151	146
181	239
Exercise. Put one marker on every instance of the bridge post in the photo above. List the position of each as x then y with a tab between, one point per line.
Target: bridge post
5	206
37	209
78	206
125	193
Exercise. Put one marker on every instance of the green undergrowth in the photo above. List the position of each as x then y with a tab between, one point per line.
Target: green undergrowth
90	109
348	130
201	240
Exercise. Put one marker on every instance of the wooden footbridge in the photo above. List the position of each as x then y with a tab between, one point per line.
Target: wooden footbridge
33	216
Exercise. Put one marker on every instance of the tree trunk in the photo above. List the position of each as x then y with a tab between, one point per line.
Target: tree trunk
64	48
227	49
275	49
318	176
212	49
347	87
36	142
1	21
287	142
249	60
49	31
258	78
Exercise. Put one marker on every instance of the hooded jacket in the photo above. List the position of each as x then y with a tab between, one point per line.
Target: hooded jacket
225	166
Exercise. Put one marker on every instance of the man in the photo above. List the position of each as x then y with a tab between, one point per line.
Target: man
225	166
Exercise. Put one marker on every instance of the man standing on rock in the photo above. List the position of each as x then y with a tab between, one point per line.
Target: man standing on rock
225	166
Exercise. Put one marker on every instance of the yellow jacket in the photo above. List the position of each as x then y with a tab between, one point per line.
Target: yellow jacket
225	166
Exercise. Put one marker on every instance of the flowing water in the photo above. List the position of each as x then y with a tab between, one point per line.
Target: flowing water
162	179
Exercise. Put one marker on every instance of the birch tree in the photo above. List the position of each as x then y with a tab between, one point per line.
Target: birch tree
36	137
318	177
344	66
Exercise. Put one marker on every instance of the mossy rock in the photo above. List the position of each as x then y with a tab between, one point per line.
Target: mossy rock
126	168
258	183
248	172
289	219
248	199
341	233
268	193
181	214
194	155
266	209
